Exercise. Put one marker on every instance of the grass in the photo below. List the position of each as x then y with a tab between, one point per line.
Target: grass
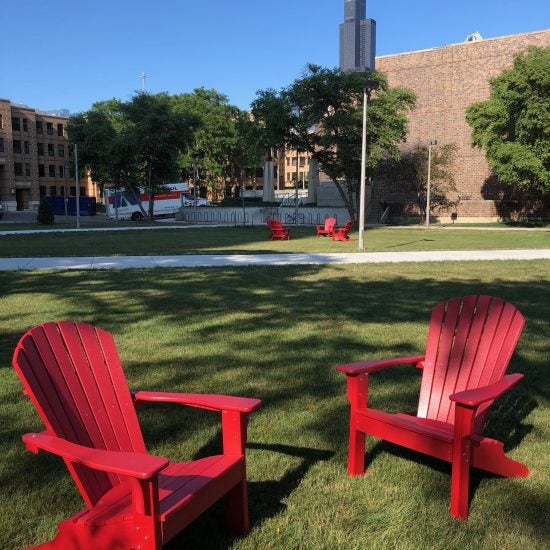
234	240
276	333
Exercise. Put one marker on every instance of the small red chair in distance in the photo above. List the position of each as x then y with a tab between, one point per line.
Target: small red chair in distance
73	375
326	229
470	343
341	233
278	231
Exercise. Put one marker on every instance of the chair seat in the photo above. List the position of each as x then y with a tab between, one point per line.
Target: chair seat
183	492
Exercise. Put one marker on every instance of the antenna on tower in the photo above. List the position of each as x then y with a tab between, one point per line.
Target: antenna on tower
143	77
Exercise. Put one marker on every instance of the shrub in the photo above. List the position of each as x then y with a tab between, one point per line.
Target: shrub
45	212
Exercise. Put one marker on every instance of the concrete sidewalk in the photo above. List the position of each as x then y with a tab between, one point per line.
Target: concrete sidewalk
216	260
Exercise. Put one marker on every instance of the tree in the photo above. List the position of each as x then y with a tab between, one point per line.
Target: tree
220	143
133	144
513	125
321	113
411	172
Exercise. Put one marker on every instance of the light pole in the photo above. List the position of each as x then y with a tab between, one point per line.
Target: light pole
431	143
77	188
369	86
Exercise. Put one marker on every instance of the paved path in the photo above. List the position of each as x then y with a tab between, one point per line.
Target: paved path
212	260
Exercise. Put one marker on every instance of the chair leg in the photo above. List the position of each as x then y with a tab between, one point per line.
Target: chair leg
356	452
237	508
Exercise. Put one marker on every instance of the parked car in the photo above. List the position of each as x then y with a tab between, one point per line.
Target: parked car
190	200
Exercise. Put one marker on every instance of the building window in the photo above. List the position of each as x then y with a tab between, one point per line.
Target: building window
1	145
61	170
288	161
27	169
16	124
62	191
42	190
17	146
26	147
40	149
61	150
50	149
25	125
41	171
39	127
53	190
49	128
1	121
51	170
60	130
72	191
18	168
302	161
294	161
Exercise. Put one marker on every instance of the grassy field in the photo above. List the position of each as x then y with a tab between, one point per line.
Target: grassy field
276	333
235	240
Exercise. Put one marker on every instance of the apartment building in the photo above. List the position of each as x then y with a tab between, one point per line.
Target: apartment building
34	157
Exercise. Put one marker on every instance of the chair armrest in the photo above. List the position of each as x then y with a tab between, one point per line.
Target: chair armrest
366	367
137	465
474	398
201	400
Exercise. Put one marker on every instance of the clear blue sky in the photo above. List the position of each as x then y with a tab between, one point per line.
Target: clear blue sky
68	54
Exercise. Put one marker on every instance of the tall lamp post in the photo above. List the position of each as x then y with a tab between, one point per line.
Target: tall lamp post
369	86
431	143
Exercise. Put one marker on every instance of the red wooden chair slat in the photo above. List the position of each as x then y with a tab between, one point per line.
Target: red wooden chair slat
469	346
74	377
342	233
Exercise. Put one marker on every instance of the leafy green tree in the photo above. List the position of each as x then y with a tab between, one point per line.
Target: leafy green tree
133	144
513	125
322	112
410	171
158	134
220	142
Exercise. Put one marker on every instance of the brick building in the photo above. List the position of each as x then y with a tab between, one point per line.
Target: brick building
447	80
34	156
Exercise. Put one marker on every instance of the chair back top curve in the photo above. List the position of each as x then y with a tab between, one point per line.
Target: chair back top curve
329	224
470	343
73	375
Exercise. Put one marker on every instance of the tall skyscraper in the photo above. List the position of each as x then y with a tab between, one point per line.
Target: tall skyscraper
357	37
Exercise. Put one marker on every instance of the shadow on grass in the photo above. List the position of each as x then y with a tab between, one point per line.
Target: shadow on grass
275	333
266	500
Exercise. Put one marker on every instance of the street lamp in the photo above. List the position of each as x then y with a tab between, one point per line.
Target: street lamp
369	86
431	143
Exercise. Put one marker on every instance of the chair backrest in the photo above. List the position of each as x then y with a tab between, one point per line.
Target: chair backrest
470	343
73	375
348	226
329	224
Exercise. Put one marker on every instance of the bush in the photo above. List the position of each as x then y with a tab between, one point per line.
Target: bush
45	212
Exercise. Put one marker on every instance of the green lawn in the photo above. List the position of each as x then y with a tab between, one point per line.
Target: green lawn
236	240
276	333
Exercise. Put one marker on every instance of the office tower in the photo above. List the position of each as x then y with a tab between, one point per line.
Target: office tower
357	37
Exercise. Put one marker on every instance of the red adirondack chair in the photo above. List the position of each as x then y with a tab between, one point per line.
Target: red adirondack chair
277	230
73	375
327	228
470	343
341	233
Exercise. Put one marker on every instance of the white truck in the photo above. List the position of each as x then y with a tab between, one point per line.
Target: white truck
123	205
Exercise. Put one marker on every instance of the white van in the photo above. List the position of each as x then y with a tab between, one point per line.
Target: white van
123	205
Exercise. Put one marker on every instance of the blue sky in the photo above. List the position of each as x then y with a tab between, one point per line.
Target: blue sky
68	54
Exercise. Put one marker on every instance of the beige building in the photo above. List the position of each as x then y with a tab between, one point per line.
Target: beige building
34	157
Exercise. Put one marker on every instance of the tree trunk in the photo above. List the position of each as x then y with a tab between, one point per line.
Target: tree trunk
348	201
